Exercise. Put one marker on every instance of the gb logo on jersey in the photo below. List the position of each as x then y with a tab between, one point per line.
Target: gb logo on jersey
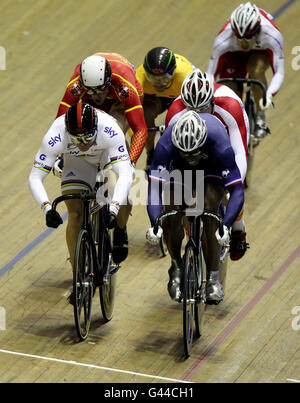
121	149
42	157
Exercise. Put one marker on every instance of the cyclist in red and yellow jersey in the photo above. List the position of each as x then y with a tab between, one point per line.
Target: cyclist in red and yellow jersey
107	81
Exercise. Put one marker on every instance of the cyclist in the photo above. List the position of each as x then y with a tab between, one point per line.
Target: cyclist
108	81
161	76
200	94
197	141
81	135
248	44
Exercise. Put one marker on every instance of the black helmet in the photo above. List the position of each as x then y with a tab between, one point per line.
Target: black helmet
160	60
81	121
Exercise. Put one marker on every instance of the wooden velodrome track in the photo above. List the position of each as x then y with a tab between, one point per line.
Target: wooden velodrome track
253	336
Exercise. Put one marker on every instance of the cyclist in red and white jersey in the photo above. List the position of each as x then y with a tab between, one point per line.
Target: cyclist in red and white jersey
248	44
200	94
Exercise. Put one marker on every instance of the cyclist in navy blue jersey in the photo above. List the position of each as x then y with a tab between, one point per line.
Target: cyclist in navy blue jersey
196	142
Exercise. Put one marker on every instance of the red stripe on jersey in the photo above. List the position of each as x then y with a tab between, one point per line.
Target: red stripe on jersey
224	27
233	107
262	12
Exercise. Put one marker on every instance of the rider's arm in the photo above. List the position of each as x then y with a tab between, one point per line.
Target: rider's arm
230	109
275	50
53	143
160	165
233	182
126	88
120	163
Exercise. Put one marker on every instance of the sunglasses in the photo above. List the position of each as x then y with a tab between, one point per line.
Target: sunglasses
83	139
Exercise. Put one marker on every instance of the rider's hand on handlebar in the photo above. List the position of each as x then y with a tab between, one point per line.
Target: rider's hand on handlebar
269	102
225	239
53	219
152	238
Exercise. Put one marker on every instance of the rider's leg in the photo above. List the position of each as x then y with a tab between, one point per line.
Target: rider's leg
173	234
74	208
120	237
213	194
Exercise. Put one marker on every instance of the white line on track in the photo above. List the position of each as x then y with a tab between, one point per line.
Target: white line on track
293	380
91	366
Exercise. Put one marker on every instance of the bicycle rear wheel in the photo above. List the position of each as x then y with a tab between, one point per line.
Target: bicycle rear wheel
83	285
108	288
189	291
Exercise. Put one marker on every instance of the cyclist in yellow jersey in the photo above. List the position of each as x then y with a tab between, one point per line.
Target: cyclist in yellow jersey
161	77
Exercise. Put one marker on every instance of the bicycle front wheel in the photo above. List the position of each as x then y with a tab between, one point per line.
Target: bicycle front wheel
83	285
108	287
189	292
107	297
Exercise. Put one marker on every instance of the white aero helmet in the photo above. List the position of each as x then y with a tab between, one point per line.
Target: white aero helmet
189	132
95	72
245	20
197	90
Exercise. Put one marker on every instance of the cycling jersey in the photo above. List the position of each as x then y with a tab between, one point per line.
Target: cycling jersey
107	151
124	88
228	107
217	161
183	68
269	40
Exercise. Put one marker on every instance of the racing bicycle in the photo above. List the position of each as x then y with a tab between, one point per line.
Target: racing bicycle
93	264
193	282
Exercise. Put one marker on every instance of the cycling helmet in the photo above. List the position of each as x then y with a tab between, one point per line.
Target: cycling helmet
95	72
190	132
197	90
160	60
81	122
245	20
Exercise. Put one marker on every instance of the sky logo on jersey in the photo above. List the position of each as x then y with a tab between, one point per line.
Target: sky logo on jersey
42	157
54	140
110	131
